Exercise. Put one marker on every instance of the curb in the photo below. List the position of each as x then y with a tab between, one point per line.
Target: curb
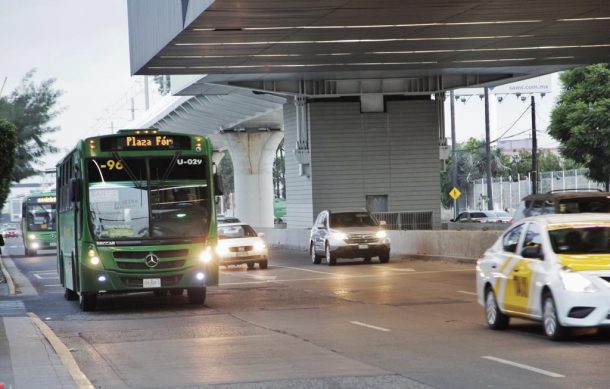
66	358
8	278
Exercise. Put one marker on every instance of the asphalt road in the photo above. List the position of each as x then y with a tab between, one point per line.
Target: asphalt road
405	324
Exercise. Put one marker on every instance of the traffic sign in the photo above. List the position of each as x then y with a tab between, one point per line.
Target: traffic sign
455	193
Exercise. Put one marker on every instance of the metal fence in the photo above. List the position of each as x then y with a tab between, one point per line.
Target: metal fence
507	194
414	220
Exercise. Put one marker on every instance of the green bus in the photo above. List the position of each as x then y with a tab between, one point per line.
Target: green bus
137	212
38	222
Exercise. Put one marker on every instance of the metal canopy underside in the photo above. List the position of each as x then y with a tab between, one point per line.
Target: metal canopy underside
208	115
234	41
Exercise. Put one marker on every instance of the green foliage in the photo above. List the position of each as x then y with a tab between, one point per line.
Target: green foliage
279	170
8	148
31	107
581	119
225	169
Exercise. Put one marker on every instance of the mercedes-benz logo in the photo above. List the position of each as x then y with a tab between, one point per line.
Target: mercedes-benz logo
151	260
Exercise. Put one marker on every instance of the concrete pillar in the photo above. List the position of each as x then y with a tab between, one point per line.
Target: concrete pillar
253	154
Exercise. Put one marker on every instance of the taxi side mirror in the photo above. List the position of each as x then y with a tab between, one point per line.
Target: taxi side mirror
532	252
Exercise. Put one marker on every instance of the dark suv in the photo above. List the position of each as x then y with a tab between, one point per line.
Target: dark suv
563	202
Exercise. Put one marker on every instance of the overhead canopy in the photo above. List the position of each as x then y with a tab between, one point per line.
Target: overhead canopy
236	41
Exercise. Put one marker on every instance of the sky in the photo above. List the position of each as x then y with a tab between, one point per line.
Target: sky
83	44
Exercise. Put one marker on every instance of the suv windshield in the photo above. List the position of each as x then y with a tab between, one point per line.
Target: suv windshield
586	240
126	202
352	219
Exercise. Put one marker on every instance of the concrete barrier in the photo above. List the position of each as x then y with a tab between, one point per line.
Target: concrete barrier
441	244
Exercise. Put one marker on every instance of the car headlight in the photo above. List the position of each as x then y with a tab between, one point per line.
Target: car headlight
32	236
381	234
339	235
259	246
222	250
575	282
206	255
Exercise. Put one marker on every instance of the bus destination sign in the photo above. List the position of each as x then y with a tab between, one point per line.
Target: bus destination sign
145	142
41	200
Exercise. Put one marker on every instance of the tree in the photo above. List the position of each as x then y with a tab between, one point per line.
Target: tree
31	108
581	119
279	176
8	148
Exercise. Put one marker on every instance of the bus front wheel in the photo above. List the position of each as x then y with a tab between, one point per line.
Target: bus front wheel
196	295
70	295
87	301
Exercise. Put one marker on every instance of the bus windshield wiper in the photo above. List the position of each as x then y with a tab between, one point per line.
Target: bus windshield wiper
132	176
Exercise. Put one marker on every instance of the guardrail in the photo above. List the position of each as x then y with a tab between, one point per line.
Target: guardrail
401	221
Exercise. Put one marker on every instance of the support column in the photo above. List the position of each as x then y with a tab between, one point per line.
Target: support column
253	154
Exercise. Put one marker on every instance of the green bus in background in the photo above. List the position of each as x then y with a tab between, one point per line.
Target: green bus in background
136	212
38	216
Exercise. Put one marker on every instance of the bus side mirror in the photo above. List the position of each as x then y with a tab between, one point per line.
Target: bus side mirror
218	186
75	189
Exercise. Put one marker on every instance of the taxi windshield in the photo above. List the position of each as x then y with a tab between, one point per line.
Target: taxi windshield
581	240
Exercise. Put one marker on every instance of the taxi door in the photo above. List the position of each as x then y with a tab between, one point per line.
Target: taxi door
522	278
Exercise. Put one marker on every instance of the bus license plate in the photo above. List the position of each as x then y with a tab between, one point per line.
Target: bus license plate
363	246
152	283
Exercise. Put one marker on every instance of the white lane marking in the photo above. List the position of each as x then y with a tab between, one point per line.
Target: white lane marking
396	269
53	285
358	323
466	292
299	268
46	276
526	367
259	277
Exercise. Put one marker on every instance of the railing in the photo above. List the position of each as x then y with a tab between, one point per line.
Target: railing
415	220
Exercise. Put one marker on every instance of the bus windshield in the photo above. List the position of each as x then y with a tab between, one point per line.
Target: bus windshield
40	217
148	198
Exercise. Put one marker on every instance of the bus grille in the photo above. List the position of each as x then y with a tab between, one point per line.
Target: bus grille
136	282
142	265
143	254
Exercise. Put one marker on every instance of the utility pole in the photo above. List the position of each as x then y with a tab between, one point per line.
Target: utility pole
146	97
133	109
456	210
490	202
534	149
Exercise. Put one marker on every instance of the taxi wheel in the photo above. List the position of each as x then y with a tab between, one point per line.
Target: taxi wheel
367	259
331	259
552	328
496	320
250	265
315	258
262	265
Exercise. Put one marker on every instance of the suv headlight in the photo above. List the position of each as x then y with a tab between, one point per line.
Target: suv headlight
575	282
339	235
381	234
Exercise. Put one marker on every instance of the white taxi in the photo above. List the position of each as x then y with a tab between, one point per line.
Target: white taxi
551	268
238	243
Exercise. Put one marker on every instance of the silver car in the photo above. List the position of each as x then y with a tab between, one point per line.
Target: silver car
348	234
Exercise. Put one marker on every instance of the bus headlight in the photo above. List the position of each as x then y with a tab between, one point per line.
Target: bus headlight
94	260
31	236
206	255
259	246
